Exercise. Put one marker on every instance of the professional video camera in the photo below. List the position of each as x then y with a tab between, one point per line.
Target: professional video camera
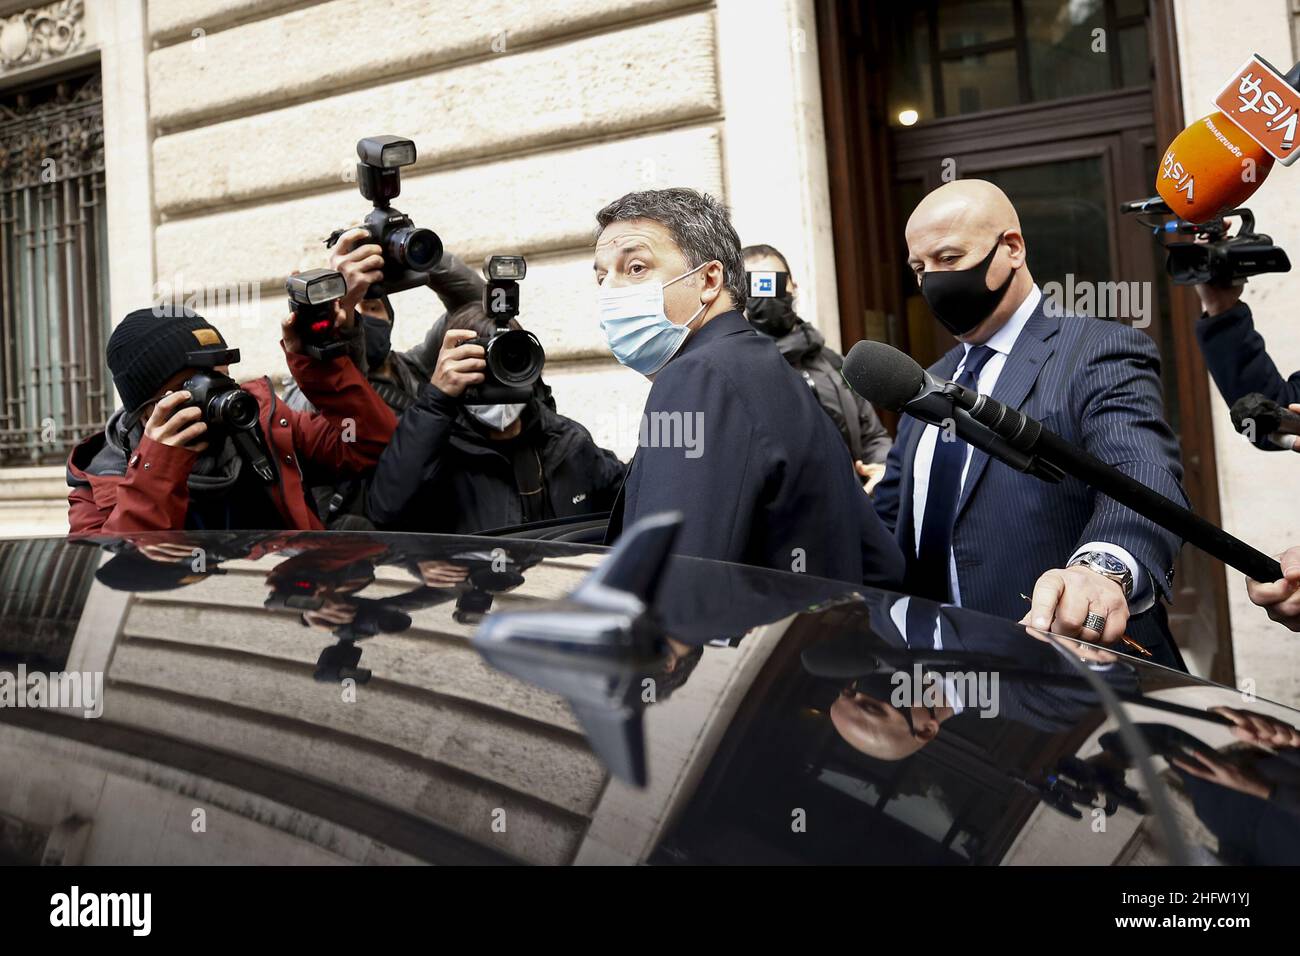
409	251
228	410
311	298
1218	259
514	357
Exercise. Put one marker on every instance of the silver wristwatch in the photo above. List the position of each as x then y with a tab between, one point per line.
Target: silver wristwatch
1108	566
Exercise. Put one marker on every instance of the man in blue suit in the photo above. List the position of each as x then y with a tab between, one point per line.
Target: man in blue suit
731	437
980	534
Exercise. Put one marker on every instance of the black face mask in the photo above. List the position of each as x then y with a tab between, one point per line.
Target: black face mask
961	299
774	317
379	337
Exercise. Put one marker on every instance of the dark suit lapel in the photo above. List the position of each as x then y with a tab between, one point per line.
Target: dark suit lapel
1015	381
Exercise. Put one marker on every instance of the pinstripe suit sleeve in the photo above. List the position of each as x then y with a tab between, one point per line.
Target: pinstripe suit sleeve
1122	422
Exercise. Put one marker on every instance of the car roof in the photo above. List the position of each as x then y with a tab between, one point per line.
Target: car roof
383	697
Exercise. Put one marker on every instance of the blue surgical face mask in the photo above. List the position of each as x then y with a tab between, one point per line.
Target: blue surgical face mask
639	333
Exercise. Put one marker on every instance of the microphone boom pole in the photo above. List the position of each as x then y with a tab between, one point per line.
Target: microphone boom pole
882	374
1028	435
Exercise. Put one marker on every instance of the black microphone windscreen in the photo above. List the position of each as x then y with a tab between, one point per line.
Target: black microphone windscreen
1256	411
840	657
882	374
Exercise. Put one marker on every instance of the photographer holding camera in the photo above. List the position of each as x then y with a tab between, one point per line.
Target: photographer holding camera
456	466
395	376
1217	261
386	253
191	449
1208	254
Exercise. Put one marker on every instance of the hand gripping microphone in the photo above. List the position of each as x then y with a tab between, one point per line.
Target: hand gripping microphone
884	375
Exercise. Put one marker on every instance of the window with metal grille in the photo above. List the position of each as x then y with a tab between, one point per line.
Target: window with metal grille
54	387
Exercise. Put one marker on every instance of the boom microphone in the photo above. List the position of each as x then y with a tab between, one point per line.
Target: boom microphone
1202	172
903	386
1219	161
1256	414
881	373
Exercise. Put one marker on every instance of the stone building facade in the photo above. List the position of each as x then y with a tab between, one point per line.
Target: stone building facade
228	145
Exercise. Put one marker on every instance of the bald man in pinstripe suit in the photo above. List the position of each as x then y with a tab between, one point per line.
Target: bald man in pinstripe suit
980	534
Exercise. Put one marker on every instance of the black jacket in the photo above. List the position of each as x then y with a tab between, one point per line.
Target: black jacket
761	476
456	284
440	473
1239	362
805	349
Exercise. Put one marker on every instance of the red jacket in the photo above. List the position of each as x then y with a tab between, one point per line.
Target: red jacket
149	491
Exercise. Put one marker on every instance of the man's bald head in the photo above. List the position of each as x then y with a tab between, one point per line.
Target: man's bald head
955	227
964	205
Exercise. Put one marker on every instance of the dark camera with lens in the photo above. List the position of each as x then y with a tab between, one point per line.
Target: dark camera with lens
312	296
514	357
230	412
409	251
224	404
1210	255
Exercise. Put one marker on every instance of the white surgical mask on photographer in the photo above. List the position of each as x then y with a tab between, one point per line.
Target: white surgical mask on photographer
639	333
496	417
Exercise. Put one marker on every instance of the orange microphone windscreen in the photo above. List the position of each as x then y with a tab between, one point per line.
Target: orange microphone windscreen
1210	167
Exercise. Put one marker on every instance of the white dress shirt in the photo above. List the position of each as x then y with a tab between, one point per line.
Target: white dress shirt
1001	342
951	692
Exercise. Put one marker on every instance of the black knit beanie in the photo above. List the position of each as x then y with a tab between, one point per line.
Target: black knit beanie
134	572
150	346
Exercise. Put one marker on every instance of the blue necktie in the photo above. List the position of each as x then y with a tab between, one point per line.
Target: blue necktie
941	499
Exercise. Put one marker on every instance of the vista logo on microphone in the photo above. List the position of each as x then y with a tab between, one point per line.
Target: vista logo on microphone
74	908
1211	166
1265	106
1184	181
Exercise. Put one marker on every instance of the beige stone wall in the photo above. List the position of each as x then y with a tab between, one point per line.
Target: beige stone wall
528	118
233	128
1256	489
